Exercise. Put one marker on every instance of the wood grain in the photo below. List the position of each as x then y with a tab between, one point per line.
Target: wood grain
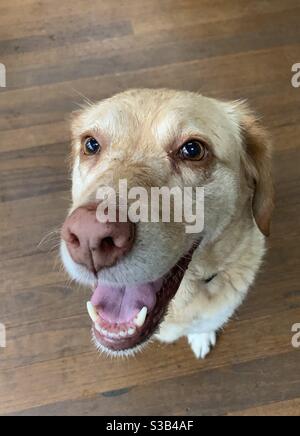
55	54
207	393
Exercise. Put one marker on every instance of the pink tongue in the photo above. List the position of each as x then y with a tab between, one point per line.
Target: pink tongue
122	304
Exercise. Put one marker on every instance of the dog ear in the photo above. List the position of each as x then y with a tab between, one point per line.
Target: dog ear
257	161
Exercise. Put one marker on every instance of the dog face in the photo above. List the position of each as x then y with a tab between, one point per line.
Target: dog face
155	138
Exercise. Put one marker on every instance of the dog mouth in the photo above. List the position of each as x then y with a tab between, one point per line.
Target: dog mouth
125	317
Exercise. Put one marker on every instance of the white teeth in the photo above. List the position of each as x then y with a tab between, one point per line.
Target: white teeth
101	330
92	311
141	317
139	321
98	328
131	331
122	334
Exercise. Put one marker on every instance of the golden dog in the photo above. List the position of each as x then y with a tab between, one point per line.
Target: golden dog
153	279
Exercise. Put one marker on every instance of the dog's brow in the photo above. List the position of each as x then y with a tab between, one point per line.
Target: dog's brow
173	127
167	127
108	120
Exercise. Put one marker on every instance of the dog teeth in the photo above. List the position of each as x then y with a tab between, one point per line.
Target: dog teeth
113	335
131	331
92	311
140	319
98	328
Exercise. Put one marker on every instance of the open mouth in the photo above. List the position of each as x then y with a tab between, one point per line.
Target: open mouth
127	316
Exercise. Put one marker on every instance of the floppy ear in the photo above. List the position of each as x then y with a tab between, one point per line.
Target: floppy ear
257	161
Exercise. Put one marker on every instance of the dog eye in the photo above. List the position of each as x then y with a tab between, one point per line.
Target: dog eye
193	150
91	146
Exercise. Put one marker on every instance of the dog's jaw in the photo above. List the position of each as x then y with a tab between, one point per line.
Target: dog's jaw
110	339
130	352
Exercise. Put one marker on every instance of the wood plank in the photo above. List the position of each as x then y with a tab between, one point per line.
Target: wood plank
282	408
17	236
210	11
93	46
36	384
146	16
211	392
56	53
155	56
268	88
35	136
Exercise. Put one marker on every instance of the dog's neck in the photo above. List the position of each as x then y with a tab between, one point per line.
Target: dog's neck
230	247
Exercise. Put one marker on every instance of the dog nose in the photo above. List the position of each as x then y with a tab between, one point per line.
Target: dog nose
95	244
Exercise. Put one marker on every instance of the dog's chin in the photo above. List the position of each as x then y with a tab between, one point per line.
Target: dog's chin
126	318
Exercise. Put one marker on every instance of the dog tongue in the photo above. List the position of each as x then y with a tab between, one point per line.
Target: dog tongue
122	304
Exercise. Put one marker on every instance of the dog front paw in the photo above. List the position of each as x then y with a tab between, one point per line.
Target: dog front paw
202	343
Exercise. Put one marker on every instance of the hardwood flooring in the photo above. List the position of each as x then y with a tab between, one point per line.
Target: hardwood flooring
54	53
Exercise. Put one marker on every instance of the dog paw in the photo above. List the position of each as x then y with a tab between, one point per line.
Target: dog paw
202	343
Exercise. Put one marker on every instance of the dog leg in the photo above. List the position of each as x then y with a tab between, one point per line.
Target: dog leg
202	343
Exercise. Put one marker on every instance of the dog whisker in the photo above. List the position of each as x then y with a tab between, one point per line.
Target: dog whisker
86	99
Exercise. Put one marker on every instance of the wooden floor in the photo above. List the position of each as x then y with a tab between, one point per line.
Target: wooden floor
57	51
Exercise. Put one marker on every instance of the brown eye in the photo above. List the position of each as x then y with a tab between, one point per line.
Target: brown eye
193	150
91	146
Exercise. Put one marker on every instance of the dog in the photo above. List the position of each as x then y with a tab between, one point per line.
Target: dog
153	279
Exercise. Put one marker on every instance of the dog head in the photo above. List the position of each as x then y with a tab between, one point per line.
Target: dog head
155	139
